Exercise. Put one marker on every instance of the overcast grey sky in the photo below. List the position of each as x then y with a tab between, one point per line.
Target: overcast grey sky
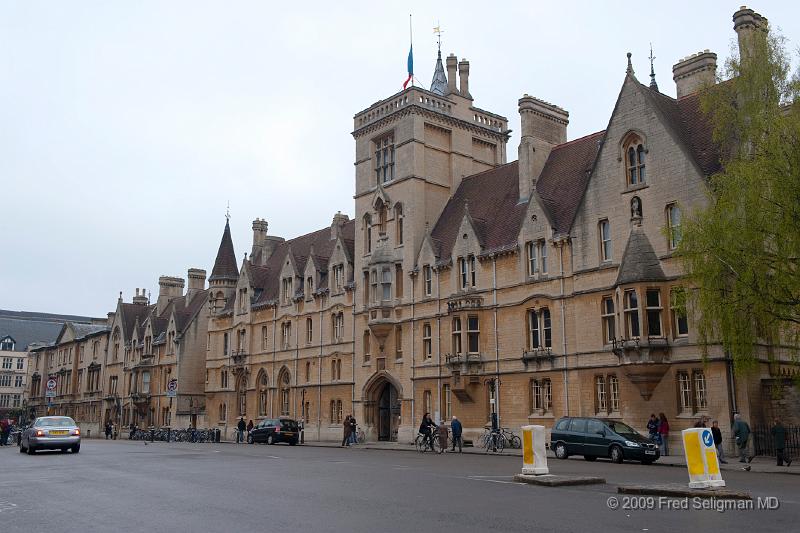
126	127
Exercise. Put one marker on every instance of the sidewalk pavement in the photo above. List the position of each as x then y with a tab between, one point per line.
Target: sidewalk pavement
759	464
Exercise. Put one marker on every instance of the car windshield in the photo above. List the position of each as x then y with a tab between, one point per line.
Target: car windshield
61	422
622	428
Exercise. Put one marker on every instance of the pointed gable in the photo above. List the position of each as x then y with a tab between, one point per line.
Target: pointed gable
639	261
492	197
564	179
225	266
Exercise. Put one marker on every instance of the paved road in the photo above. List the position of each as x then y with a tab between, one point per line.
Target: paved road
130	486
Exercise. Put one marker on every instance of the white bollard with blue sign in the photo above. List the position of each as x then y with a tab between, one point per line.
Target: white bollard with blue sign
701	459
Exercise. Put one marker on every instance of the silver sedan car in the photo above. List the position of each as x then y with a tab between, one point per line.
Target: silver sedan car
51	433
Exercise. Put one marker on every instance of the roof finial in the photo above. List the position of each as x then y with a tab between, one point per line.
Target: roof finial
439	82
228	212
629	70
653	84
438	31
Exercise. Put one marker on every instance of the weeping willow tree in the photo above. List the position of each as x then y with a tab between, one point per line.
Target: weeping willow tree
742	250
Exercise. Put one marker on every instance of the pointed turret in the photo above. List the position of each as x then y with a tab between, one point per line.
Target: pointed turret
439	82
225	267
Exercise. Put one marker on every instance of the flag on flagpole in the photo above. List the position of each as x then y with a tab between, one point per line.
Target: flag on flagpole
410	66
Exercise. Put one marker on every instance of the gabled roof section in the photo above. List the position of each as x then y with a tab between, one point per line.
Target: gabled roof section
130	313
693	127
492	197
639	261
564	179
265	278
225	266
184	316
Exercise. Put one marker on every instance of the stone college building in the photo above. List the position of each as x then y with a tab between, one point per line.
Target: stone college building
466	284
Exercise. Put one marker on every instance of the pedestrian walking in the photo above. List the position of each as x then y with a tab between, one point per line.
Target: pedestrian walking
456	429
663	433
652	427
347	430
240	428
779	441
443	433
741	430
717	434
250	426
5	429
353	431
108	430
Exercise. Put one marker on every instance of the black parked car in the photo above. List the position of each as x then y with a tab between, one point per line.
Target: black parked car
272	430
596	437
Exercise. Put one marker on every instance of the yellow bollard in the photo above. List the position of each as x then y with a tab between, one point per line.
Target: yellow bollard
534	455
701	458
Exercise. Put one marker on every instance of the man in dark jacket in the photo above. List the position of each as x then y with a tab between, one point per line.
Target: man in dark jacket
457	429
426	428
779	440
717	433
741	430
241	426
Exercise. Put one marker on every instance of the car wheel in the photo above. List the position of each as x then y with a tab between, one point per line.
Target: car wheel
76	448
590	458
616	454
561	450
31	450
270	439
249	439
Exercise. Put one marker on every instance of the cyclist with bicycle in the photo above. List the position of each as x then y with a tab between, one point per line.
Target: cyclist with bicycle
426	428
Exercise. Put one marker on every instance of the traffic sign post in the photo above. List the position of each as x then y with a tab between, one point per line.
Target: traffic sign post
701	458
172	388
50	392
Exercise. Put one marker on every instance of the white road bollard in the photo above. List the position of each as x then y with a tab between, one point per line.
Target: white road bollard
534	455
701	458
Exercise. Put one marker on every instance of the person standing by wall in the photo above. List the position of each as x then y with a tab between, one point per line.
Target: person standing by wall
443	433
779	441
457	430
717	433
353	431
663	432
347	430
741	430
240	427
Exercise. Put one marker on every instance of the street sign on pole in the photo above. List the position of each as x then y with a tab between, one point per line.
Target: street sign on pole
51	388
172	388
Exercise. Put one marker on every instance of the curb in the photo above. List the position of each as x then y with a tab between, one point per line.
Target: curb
552	480
683	492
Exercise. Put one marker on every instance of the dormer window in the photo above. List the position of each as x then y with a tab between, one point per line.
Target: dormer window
243	300
286	290
634	159
384	159
338	277
309	286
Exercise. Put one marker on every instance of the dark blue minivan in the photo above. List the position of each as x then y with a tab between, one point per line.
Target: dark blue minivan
599	437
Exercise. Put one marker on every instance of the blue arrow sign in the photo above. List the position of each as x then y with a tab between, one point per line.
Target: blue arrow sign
708	440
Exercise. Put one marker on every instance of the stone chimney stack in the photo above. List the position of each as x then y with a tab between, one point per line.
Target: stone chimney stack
452	63
695	72
339	220
197	281
543	126
263	244
140	299
748	25
463	78
169	288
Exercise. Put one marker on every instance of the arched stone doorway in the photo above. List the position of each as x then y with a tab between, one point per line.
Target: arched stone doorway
382	406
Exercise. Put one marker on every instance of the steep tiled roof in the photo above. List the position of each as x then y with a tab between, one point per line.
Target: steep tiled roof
225	267
693	127
492	198
184	317
639	261
130	312
28	328
564	178
85	330
265	278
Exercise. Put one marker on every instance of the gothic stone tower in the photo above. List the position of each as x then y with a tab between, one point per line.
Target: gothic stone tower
412	151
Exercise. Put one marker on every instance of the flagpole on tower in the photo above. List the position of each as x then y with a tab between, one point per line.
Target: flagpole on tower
411	40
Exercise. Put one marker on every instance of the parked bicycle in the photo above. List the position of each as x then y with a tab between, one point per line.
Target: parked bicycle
425	442
492	441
